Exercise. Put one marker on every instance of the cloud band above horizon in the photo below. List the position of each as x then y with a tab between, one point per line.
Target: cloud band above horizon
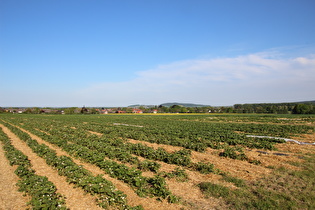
254	78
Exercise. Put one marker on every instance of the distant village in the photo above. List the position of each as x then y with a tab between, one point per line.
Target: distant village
74	110
307	107
112	110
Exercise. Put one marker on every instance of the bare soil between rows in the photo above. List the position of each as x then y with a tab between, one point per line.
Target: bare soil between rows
188	191
75	197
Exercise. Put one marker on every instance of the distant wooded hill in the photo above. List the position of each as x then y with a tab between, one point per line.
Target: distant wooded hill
203	105
170	105
183	104
303	107
306	102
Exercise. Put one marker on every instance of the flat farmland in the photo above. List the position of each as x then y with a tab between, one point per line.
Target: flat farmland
139	161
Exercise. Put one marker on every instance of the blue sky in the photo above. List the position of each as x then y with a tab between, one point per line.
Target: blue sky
118	53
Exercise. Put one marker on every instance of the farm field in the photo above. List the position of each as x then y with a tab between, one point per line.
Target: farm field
139	161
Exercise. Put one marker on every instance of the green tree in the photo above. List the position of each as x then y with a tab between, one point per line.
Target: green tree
70	110
183	110
28	111
84	110
302	109
175	108
94	111
36	110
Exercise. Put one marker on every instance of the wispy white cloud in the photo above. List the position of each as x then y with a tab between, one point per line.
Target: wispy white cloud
253	78
260	77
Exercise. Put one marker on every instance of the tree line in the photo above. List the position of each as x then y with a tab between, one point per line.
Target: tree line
263	108
276	108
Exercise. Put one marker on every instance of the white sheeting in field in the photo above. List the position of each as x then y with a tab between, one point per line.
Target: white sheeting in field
139	126
285	139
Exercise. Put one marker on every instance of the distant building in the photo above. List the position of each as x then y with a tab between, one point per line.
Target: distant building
137	111
103	111
16	110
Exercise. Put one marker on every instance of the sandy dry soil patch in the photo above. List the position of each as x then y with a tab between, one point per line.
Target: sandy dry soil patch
132	198
191	195
238	168
243	169
10	197
75	197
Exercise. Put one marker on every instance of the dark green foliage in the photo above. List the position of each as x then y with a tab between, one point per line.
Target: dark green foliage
283	189
204	168
214	190
255	162
158	187
304	109
75	174
149	166
81	177
234	153
192	132
42	191
179	174
238	182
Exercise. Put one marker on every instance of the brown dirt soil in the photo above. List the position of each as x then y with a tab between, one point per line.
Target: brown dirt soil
188	191
75	197
194	197
168	148
132	198
42	131
96	133
241	169
306	137
10	197
297	149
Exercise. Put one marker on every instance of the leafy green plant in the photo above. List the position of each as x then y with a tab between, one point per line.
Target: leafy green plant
75	174
204	168
234	153
149	166
42	191
179	174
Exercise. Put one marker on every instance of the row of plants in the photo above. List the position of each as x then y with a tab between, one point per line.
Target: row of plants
247	194
43	193
195	132
105	191
143	186
116	148
181	157
190	132
196	135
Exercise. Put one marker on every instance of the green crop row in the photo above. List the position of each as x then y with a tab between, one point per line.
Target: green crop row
192	132
155	186
42	191
195	132
106	193
197	135
112	148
